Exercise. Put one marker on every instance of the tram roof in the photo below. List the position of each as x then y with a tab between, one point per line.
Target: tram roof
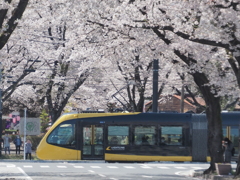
231	118
141	117
228	118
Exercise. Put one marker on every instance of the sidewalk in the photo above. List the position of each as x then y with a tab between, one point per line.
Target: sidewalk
13	150
199	174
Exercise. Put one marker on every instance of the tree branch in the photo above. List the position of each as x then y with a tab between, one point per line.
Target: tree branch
16	14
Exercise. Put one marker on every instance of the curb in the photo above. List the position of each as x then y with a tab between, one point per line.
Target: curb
199	174
51	161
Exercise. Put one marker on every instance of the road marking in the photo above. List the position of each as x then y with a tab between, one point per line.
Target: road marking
26	176
147	176
184	173
180	168
95	166
196	167
146	167
129	167
62	166
44	166
163	167
78	166
27	166
10	166
91	171
112	167
101	175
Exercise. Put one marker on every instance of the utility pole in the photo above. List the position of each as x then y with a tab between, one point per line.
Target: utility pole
182	100
155	86
1	109
25	132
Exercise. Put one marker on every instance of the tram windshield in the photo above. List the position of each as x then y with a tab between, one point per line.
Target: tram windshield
63	135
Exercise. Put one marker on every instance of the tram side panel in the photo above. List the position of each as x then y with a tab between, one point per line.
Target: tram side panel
124	138
169	150
199	138
176	145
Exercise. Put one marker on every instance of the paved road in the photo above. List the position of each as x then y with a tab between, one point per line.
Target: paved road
31	170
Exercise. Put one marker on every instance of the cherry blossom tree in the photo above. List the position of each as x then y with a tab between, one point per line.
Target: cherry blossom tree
10	13
134	61
212	23
199	38
66	52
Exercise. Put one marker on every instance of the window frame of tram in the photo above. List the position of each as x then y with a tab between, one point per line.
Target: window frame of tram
145	135
169	136
118	135
96	141
63	135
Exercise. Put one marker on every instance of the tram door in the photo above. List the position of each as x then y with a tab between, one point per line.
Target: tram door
232	132
92	142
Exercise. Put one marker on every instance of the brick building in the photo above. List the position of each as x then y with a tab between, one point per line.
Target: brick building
173	103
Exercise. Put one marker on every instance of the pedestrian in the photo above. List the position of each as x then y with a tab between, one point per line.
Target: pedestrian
28	149
228	146
18	143
145	140
6	142
1	142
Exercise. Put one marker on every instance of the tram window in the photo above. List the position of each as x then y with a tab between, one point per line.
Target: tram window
63	135
171	135
234	136
145	135
98	139
118	135
87	135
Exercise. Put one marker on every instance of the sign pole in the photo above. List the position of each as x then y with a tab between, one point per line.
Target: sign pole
24	138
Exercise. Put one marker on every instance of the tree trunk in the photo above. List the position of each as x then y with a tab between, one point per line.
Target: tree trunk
215	136
213	112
